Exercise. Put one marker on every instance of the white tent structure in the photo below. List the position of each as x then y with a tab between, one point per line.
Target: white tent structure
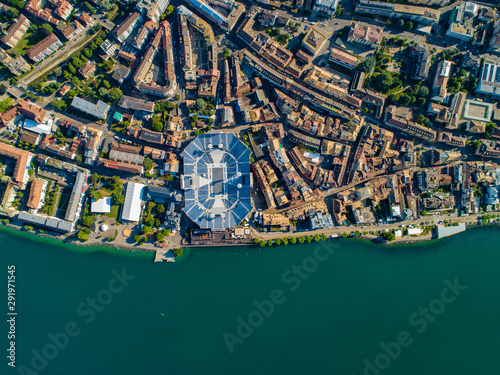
133	198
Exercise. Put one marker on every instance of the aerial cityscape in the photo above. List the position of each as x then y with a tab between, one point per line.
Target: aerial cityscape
164	125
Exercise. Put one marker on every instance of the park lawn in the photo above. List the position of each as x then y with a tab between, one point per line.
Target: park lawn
107	191
62	205
115	208
27	41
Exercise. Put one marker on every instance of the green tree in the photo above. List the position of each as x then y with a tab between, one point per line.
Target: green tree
388	236
421	101
14	12
384	81
308	239
106	4
159	236
400	23
227	53
293	240
47	29
87	220
269	242
423	91
95	178
285	241
170	10
115	93
151	205
146	229
408	25
82	236
156	124
338	11
200	104
277	241
323	237
160	208
178	252
96	195
117	198
103	91
367	65
116	181
404	100
148	163
262	243
137	238
3	89
316	238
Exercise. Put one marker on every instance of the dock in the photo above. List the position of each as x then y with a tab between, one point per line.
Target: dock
443	231
160	256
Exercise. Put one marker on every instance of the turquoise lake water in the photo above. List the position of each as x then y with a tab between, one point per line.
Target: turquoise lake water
338	307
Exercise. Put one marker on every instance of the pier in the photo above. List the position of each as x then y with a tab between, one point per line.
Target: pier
160	256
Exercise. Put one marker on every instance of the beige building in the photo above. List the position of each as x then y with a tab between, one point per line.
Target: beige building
327	82
16	31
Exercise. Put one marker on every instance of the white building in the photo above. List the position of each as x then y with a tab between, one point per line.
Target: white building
36	127
461	26
102	206
133	199
326	6
489	81
460	32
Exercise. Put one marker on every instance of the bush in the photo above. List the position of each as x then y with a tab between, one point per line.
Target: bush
367	65
178	252
388	236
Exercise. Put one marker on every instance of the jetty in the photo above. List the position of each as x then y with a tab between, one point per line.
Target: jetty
443	231
160	256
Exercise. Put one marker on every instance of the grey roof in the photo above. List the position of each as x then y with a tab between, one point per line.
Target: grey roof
216	181
160	193
46	221
120	73
126	157
76	197
99	109
129	102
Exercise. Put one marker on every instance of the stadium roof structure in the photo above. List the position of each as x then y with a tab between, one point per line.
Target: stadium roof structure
216	181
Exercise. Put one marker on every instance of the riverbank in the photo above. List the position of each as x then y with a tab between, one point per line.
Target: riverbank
358	294
368	232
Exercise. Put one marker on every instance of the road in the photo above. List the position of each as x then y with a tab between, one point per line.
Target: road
374	228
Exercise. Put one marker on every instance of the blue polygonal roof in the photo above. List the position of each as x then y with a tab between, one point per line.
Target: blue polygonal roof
216	181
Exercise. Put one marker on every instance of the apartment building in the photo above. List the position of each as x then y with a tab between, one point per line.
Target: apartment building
327	82
326	6
152	9
365	35
423	15
16	31
44	48
123	31
63	9
439	86
342	58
